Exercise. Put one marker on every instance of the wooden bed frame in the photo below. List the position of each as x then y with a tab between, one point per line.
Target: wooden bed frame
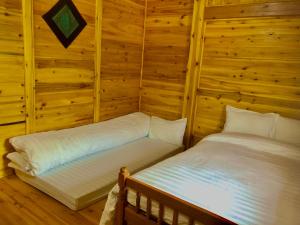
126	214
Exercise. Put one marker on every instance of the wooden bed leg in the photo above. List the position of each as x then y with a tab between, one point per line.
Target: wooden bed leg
124	173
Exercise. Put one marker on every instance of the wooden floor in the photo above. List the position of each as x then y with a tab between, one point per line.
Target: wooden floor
21	204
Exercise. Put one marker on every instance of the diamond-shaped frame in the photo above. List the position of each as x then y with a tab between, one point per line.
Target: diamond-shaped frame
49	19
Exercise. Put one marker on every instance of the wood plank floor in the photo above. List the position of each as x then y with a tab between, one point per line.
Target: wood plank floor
21	204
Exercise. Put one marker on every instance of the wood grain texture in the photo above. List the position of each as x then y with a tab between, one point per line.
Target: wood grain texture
62	87
11	63
240	2
122	46
23	204
251	63
64	77
6	132
168	25
12	80
253	10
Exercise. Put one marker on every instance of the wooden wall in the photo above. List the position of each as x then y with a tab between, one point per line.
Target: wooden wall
243	52
166	52
122	47
12	94
64	78
44	86
249	57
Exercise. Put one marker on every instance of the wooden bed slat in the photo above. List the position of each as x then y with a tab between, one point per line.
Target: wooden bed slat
176	203
138	201
149	203
134	218
175	218
161	214
191	221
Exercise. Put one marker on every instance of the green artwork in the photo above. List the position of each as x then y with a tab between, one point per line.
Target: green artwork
65	21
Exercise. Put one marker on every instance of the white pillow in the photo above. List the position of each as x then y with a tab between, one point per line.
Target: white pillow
20	160
166	130
47	150
288	130
249	122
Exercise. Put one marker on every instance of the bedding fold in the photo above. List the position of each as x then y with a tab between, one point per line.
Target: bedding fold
46	150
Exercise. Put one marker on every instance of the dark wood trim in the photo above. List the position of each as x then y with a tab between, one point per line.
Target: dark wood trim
12	123
253	10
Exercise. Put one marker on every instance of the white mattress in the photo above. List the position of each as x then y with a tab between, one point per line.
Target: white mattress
82	182
247	179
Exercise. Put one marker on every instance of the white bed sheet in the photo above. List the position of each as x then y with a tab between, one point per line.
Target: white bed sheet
84	181
247	179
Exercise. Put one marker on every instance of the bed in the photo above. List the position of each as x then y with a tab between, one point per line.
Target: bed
83	182
79	166
227	178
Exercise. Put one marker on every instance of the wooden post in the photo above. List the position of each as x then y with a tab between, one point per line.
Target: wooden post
124	173
143	54
98	43
193	68
29	61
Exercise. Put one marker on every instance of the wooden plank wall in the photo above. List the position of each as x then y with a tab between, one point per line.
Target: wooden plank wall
60	86
12	95
166	52
122	46
64	78
249	58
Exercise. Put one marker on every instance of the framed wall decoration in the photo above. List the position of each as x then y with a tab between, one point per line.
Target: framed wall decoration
65	21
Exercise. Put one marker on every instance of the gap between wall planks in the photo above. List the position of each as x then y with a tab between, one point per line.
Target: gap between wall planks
29	63
98	41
